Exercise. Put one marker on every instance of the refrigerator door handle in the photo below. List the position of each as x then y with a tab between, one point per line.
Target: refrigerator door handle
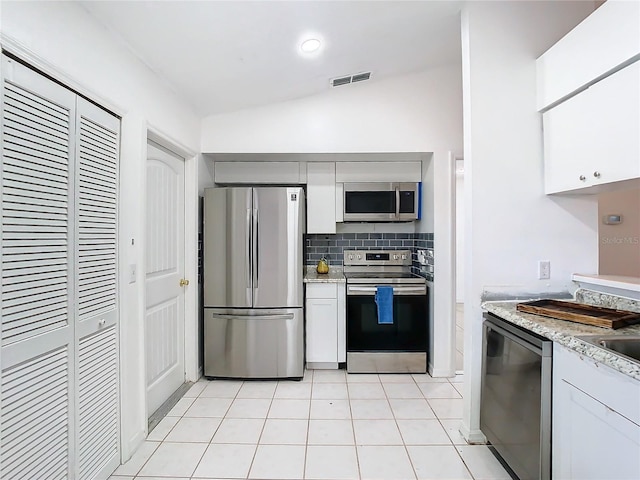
256	248
282	316
249	263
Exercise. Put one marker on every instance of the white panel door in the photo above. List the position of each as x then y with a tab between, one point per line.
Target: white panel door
164	318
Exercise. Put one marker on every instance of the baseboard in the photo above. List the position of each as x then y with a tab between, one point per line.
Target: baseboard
439	373
473	437
322	365
131	447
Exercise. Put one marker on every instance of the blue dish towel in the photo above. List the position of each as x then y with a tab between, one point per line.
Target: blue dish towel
384	301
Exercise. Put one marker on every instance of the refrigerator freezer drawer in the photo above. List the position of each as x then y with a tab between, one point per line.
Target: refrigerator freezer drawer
253	343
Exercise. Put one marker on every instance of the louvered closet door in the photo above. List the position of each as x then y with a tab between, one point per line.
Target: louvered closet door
97	431
59	358
37	341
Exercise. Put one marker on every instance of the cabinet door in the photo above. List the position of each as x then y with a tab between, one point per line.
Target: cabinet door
257	172
321	197
342	323
321	330
593	138
390	171
607	38
595	419
591	441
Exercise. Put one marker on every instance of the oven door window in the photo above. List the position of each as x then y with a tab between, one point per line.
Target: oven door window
408	333
370	202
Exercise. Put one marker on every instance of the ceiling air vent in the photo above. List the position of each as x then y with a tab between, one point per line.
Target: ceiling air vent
358	77
336	82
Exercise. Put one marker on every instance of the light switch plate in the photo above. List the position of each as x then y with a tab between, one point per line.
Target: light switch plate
132	273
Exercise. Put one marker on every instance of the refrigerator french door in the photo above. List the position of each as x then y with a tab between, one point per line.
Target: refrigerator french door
253	274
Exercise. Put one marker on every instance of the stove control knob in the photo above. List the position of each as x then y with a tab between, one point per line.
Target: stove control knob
350	257
404	256
359	257
395	257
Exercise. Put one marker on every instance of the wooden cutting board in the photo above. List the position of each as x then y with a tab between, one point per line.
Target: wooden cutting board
580	313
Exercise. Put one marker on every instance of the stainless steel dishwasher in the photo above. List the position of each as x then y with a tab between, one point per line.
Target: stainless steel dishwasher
515	409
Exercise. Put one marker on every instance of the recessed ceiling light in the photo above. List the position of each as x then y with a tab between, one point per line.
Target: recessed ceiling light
310	45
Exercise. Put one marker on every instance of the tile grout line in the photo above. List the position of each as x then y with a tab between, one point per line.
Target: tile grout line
353	427
216	430
404	443
266	417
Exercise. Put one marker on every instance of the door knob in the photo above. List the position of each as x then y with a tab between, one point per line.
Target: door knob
184	282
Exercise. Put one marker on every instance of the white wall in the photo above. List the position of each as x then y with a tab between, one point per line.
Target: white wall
510	223
460	237
414	113
619	245
63	40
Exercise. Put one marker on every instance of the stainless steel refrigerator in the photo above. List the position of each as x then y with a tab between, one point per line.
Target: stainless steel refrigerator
253	274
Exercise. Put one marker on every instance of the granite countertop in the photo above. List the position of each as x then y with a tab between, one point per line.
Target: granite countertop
565	333
335	275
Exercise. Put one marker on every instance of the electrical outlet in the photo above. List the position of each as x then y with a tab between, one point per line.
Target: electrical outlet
422	257
544	269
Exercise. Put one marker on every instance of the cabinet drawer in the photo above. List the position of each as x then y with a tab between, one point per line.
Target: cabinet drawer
322	290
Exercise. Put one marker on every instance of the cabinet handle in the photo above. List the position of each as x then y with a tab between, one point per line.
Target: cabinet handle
583	178
596	174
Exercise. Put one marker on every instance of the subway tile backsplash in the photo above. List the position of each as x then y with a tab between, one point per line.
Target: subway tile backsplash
332	246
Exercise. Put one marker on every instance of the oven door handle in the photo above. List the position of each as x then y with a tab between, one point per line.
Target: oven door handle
397	290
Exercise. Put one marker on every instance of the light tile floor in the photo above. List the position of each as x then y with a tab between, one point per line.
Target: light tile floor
329	426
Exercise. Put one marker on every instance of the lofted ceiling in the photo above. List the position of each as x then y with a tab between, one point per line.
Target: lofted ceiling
221	56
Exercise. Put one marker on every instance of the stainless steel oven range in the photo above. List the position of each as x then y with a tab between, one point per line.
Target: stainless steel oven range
400	344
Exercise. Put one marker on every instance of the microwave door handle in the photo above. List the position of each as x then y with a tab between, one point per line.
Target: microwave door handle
397	202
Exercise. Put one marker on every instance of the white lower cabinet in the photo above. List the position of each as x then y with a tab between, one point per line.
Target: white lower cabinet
325	325
596	420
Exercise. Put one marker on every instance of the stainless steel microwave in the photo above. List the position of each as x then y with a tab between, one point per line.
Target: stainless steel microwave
381	202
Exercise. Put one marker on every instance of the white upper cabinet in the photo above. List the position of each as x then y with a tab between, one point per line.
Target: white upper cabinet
321	197
605	41
592	140
257	172
378	172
